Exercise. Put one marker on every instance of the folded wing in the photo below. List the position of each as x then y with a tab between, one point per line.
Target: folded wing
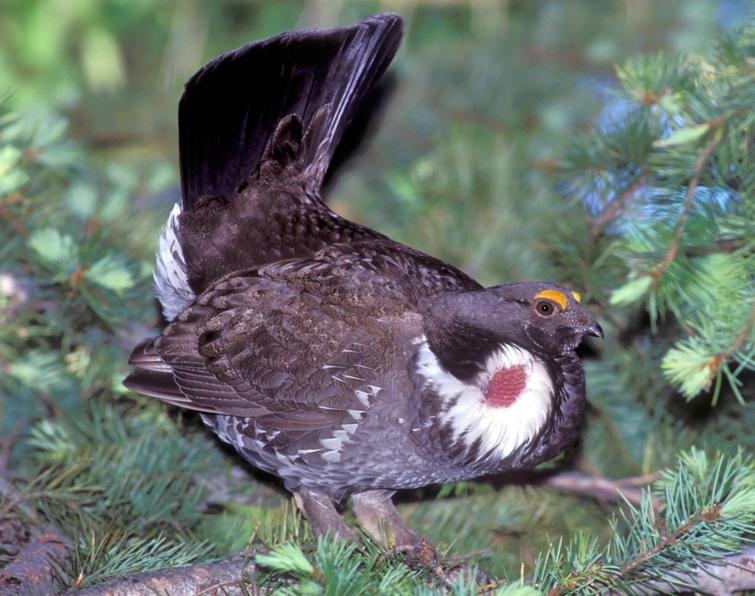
304	341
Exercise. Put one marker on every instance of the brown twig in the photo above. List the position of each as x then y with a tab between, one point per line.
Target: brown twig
688	202
224	577
17	499
14	500
715	363
669	539
476	119
20	228
723	245
643	480
614	207
598	487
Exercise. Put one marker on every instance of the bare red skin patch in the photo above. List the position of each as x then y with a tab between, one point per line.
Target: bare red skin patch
505	387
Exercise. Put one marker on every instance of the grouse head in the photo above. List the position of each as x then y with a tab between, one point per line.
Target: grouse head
497	370
551	318
464	328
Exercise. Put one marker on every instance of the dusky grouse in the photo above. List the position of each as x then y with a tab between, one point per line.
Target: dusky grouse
322	351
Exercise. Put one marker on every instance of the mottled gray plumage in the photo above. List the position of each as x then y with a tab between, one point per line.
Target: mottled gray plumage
323	351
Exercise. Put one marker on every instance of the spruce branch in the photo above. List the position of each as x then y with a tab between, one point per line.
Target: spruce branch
14	499
732	574
668	539
693	217
707	516
689	200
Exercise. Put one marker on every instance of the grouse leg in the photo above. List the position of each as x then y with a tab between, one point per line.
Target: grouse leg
380	518
321	514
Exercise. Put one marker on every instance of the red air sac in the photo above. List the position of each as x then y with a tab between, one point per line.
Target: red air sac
506	386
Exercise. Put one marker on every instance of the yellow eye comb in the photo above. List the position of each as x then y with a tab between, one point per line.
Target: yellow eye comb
555	295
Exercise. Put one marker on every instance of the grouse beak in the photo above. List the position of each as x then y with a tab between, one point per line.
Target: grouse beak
594	330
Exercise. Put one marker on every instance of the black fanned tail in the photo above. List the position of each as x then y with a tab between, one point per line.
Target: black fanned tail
233	105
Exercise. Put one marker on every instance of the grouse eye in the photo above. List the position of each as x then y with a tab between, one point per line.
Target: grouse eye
544	308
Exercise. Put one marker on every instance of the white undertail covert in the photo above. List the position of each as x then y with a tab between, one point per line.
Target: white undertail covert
171	279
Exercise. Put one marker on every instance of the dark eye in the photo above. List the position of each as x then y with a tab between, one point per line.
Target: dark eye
544	308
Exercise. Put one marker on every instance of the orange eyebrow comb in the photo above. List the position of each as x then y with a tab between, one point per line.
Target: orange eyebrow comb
555	295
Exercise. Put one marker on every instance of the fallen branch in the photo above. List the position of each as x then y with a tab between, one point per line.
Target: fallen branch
225	577
31	572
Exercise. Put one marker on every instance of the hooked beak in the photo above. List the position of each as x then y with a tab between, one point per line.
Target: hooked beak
594	329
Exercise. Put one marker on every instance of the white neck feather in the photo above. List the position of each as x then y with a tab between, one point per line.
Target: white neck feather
500	430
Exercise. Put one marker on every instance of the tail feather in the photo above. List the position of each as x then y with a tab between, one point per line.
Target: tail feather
233	106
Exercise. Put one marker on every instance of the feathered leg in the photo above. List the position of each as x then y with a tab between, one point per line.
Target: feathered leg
322	515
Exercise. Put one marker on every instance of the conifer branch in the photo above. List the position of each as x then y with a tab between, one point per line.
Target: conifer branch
689	200
14	500
733	574
669	539
707	519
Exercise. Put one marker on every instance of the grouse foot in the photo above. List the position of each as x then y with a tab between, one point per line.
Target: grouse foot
379	517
